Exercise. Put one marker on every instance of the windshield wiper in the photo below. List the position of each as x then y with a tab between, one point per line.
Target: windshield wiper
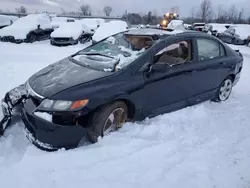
96	53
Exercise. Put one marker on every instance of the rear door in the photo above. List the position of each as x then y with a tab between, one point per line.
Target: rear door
212	66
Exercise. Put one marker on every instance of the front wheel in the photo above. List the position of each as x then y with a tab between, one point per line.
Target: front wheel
107	119
224	90
32	38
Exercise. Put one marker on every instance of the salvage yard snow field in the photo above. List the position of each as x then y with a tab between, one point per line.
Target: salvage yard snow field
203	146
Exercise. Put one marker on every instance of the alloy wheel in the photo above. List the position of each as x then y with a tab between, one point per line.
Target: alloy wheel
114	121
225	89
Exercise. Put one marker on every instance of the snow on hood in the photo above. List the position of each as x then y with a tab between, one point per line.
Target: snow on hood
70	29
108	29
6	20
21	27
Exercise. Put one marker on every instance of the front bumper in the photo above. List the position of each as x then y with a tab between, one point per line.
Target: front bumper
63	41
47	135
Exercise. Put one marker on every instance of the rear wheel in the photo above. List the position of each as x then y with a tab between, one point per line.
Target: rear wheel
234	41
107	119
224	90
32	38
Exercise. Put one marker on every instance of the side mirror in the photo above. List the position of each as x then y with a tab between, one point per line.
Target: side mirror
159	67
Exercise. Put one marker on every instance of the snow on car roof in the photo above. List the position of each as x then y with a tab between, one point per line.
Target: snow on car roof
153	31
70	29
22	26
109	28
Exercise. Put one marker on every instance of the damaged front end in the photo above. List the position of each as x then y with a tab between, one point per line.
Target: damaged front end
10	105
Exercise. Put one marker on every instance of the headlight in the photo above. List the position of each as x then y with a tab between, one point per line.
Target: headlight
62	105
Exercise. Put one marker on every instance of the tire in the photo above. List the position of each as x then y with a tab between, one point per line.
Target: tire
101	118
234	41
32	38
223	93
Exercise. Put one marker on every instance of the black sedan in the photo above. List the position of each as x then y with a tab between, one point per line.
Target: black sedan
126	77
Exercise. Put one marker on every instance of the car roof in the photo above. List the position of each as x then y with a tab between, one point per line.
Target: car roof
163	33
152	31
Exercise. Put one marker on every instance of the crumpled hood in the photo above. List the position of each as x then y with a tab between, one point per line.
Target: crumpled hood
62	75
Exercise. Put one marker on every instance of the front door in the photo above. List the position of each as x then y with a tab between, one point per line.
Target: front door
168	89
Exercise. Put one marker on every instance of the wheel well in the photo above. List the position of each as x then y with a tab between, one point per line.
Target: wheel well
232	76
131	107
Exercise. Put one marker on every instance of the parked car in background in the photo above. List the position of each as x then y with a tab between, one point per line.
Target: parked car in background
92	23
31	28
248	40
198	26
176	25
105	29
71	33
57	21
232	35
7	20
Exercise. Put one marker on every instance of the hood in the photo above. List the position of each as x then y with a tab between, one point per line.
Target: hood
62	75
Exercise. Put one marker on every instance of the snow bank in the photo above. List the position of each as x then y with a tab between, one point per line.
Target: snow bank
6	20
203	146
70	29
108	29
243	30
21	27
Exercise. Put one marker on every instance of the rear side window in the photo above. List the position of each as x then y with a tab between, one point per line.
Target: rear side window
209	49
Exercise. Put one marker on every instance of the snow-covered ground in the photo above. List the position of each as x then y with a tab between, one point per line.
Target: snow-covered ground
206	145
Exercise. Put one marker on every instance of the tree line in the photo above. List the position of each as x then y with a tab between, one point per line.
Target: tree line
204	13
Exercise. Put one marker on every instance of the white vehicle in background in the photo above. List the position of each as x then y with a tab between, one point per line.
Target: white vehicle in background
71	33
198	26
176	25
109	28
7	20
58	21
31	28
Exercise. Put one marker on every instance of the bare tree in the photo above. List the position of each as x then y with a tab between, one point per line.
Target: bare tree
206	11
193	13
107	10
21	9
232	13
241	16
174	9
222	15
86	10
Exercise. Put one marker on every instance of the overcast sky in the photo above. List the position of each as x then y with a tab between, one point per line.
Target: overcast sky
119	6
162	6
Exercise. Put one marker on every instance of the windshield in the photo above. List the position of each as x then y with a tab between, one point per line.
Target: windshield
118	50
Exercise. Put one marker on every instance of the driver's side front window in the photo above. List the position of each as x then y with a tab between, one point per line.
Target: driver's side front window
175	54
